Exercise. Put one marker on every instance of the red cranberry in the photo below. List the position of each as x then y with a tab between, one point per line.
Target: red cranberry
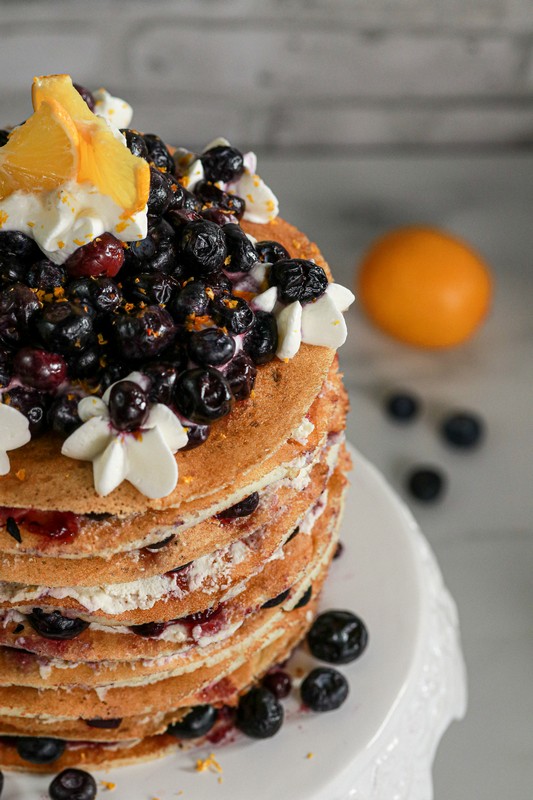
40	369
103	256
128	406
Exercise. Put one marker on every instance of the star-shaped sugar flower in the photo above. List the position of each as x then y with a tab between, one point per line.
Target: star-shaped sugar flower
14	433
261	203
144	457
319	322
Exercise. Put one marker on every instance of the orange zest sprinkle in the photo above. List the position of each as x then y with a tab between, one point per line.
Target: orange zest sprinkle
245	295
209	763
3	218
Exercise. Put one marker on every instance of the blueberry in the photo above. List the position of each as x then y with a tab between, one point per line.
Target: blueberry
233	313
324	689
191	301
53	625
242	509
270	252
33	404
198	722
40	750
305	598
153	548
148	630
104	724
112	373
211	347
103	256
240	374
144	335
463	429
196	435
337	637
402	406
277	601
259	714
222	163
87	95
65	328
219	284
426	484
218	216
261	341
156	252
17	244
203	395
278	682
203	247
242	255
160	194
18	305
298	279
101	294
135	143
162	381
339	550
186	204
45	275
128	406
40	369
63	416
12	270
214	198
6	368
86	364
158	153
154	288
4	136
73	784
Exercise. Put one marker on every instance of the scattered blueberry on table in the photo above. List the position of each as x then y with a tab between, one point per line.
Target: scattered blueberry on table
426	484
463	429
324	689
402	406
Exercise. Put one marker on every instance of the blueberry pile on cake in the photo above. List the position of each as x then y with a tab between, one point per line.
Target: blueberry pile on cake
171	435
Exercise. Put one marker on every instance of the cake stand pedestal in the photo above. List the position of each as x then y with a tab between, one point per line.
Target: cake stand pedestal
404	690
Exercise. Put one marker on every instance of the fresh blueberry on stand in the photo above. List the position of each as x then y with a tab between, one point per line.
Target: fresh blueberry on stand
203	247
211	347
259	714
214	198
324	689
242	255
233	313
63	416
135	143
192	300
240	375
158	153
278	682
31	403
45	275
402	406
41	750
143	335
198	722
337	637
463	430
426	484
73	784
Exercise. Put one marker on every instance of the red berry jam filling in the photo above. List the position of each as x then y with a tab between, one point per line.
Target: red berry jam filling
63	525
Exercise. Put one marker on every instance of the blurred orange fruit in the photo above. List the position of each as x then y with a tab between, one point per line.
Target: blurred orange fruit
42	153
424	286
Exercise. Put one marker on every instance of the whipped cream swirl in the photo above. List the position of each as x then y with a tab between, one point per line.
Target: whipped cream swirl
261	203
144	457
14	433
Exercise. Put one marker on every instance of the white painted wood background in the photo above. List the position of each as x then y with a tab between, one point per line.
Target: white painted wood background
330	75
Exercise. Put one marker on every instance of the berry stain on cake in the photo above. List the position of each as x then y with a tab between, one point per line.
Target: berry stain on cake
158	320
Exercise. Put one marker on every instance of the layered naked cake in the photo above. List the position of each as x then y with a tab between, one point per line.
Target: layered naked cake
171	435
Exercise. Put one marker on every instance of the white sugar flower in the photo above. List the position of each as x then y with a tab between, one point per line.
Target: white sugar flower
261	202
14	433
319	322
144	457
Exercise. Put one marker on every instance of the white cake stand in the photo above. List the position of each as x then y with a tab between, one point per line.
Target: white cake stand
404	691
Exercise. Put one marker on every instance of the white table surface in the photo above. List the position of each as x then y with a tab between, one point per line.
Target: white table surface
482	532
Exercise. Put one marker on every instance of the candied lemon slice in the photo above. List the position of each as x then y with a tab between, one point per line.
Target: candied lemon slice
61	89
42	153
